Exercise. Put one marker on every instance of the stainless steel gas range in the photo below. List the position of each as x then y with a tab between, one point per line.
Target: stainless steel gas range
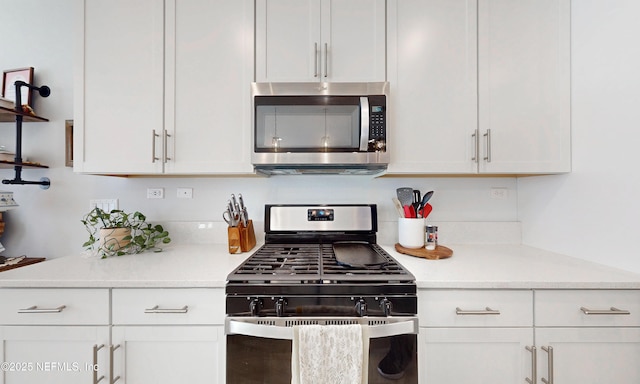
320	264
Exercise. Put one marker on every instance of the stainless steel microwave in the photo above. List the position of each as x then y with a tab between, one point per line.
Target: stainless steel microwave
320	128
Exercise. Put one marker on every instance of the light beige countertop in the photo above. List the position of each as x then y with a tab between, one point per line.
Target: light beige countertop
191	266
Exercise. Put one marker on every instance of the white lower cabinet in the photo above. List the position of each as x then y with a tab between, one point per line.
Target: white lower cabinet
118	335
588	336
474	355
493	336
168	354
589	355
168	335
475	336
54	335
53	354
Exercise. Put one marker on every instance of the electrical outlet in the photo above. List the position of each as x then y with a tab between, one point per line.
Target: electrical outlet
106	205
499	193
155	193
185	193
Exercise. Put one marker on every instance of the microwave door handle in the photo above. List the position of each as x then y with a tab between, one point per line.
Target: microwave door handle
364	124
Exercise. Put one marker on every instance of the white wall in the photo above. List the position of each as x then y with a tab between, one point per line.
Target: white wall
40	34
594	212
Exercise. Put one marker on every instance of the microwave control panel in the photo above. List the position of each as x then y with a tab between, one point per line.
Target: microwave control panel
377	123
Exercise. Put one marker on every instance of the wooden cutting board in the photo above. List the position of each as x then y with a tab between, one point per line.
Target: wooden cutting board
441	252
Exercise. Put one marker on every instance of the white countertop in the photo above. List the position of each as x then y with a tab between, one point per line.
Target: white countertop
186	266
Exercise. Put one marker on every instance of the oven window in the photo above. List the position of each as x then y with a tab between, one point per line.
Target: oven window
254	360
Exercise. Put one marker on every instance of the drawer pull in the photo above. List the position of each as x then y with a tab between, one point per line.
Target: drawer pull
35	309
157	309
486	311
612	311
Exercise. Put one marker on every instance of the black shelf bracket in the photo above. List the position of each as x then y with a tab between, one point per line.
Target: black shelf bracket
44	182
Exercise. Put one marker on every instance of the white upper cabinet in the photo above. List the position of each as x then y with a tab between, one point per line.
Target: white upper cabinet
524	86
119	79
208	75
479	86
320	40
162	87
433	85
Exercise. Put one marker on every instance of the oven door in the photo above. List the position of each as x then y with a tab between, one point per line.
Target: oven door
259	348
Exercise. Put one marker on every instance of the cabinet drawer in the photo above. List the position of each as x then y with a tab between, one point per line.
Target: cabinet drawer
168	306
25	306
475	308
589	308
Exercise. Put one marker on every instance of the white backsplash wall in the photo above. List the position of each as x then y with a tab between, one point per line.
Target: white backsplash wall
47	223
593	212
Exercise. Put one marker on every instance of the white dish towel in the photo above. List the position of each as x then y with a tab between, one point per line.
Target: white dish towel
330	354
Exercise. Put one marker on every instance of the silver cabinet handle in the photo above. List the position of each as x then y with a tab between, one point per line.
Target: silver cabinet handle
153	146
112	348
488	153
164	146
326	60
96	348
534	365
486	311
475	146
611	311
315	59
157	309
549	351
35	309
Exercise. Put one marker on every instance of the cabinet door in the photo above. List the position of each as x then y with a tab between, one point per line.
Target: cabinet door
119	86
287	40
433	75
209	70
320	40
169	354
53	354
353	40
475	355
589	355
524	85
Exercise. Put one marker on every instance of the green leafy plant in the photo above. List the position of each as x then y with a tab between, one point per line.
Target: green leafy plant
143	236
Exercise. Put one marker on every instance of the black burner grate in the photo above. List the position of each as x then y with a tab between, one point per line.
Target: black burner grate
313	262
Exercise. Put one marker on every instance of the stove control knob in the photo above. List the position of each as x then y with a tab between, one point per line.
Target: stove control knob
255	305
386	306
280	306
361	307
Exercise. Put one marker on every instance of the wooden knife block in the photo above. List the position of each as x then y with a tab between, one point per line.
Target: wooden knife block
241	238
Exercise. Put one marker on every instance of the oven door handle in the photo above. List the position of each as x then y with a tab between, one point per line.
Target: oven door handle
239	327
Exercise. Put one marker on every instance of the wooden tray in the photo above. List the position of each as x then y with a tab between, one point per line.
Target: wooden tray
441	252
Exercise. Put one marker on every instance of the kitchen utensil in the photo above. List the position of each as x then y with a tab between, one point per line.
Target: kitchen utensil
230	216
398	206
423	202
426	210
416	200
409	212
244	215
405	195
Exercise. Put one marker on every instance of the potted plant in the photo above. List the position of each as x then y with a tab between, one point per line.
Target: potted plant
117	233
